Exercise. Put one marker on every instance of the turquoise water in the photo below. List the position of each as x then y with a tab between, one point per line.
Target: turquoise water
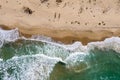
102	65
36	60
39	59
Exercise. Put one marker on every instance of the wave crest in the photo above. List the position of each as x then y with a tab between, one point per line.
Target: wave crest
8	36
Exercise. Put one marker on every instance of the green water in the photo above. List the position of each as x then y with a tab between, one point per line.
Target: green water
103	65
29	47
19	48
94	65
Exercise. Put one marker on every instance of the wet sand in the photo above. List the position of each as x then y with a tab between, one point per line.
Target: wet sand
63	20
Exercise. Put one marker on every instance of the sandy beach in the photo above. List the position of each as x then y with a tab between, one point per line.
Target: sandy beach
63	20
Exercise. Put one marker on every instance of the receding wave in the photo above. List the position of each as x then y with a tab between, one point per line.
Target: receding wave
40	58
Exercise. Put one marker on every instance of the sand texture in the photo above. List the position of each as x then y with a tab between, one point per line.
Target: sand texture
63	20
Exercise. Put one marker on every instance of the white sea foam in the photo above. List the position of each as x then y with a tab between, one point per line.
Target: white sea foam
42	37
39	66
8	36
76	46
29	67
77	59
1	59
108	44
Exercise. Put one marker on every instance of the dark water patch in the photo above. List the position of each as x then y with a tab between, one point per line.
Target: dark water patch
103	65
31	47
40	59
18	48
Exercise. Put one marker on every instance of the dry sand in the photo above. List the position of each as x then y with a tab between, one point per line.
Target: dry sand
63	20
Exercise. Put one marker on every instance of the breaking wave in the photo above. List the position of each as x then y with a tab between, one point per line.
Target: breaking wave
40	58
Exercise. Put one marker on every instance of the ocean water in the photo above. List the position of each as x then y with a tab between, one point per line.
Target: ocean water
40	58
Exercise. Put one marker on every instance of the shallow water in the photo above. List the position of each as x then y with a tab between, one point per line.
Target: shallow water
98	65
40	59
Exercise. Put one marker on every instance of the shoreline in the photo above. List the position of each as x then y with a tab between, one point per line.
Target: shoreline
66	36
65	20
